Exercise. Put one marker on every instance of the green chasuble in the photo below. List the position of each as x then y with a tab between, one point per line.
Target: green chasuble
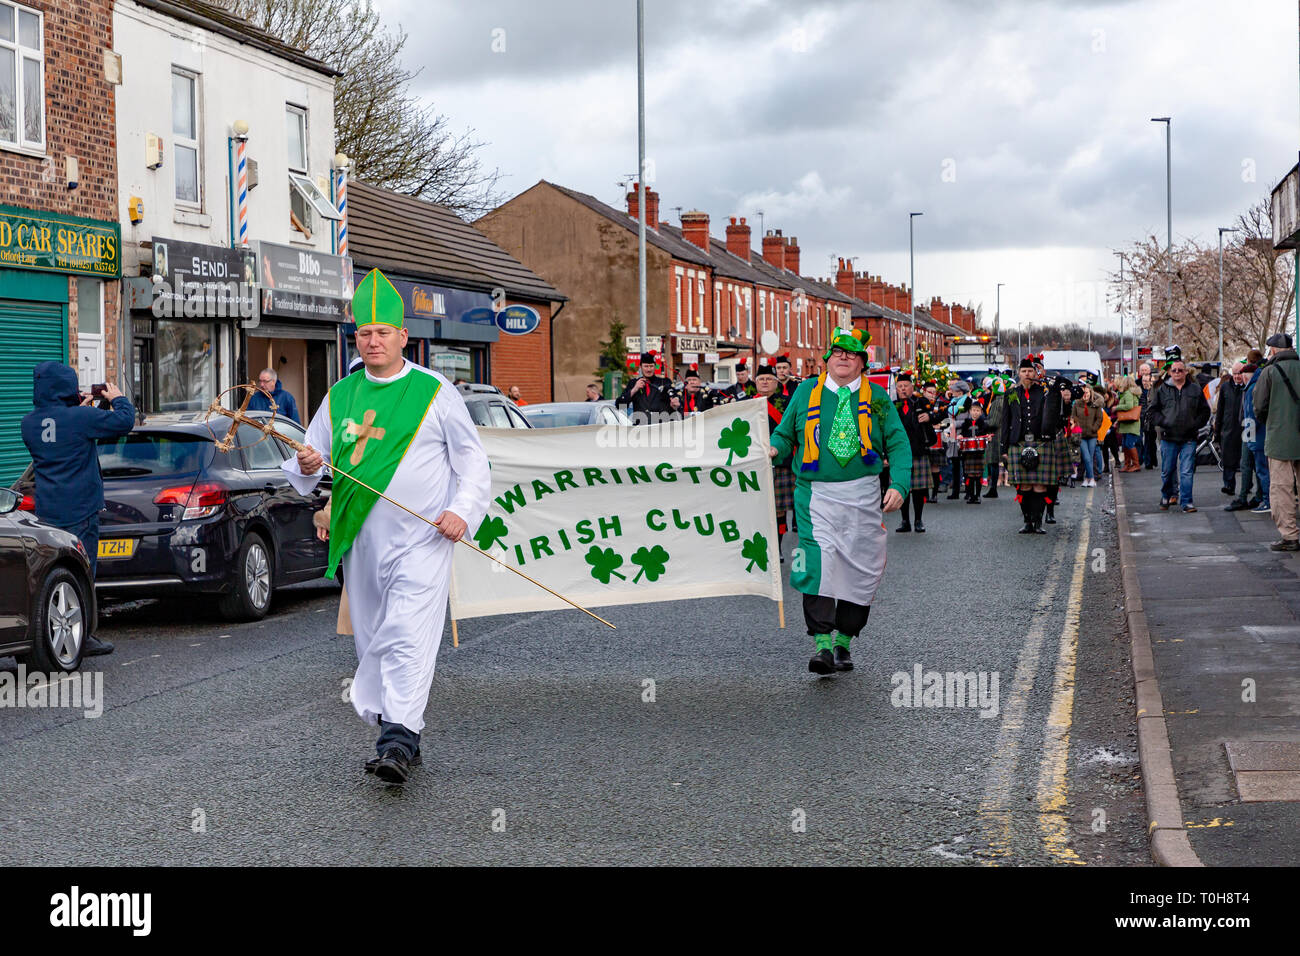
373	425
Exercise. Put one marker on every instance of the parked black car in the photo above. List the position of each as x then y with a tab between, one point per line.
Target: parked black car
182	517
47	606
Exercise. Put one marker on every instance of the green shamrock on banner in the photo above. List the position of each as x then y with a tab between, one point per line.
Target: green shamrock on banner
652	561
603	563
755	552
735	439
491	531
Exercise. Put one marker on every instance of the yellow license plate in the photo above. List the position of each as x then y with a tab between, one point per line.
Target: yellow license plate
117	548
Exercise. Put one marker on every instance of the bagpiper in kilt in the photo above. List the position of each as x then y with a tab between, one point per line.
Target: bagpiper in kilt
1032	420
916	413
997	404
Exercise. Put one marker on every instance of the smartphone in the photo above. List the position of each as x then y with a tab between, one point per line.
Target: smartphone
97	391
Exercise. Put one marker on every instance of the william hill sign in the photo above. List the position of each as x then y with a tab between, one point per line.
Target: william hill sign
50	242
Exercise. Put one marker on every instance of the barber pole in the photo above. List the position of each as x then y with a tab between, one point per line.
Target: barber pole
241	180
343	211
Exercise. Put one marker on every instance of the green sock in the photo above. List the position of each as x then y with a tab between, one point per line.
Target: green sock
823	641
842	640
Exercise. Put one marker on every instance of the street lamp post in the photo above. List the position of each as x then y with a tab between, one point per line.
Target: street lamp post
640	165
997	324
911	287
1169	221
1122	302
1222	230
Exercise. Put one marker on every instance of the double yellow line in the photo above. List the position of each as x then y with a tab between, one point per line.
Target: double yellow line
1000	805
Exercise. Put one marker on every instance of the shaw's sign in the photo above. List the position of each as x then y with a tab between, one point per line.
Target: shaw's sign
518	319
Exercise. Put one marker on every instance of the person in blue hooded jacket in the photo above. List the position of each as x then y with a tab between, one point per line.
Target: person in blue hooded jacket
1253	434
60	433
269	384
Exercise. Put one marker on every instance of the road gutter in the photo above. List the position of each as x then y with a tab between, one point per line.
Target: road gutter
1170	845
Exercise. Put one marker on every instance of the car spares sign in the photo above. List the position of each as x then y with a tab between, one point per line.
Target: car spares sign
518	319
49	242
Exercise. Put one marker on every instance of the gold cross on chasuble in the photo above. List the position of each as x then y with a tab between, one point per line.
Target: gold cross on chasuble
364	432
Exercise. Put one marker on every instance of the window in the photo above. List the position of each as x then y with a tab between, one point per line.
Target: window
22	77
749	315
185	129
304	196
762	312
700	290
786	337
295	119
680	327
717	312
258	455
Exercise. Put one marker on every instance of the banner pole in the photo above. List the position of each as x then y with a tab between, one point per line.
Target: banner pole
455	638
780	612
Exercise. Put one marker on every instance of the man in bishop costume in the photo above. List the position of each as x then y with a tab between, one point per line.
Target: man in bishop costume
405	431
836	431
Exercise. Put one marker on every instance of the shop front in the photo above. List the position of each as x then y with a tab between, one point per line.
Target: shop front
303	306
51	266
183	324
449	330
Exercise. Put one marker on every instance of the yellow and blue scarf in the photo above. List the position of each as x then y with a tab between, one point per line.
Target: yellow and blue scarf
811	452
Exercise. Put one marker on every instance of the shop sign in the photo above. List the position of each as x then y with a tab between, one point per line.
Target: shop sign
518	319
195	280
50	242
695	343
633	343
304	271
296	305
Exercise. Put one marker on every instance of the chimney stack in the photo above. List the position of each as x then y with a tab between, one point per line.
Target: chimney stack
774	248
792	254
651	206
738	238
695	228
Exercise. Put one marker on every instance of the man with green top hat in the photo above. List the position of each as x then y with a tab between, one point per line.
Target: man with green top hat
405	431
836	432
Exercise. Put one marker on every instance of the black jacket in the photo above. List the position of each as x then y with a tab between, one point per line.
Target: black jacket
701	401
1227	422
60	433
1179	412
653	398
920	435
1038	411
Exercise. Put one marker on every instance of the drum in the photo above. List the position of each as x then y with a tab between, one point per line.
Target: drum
975	444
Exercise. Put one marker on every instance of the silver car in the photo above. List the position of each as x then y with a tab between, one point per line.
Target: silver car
562	414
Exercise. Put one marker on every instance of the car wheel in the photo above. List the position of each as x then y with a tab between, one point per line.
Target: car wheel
59	624
250	582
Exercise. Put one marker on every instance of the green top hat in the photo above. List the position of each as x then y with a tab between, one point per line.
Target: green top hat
376	301
850	340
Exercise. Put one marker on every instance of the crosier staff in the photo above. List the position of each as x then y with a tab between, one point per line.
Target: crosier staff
239	417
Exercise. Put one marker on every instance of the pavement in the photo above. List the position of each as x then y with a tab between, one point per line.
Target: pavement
692	734
1215	621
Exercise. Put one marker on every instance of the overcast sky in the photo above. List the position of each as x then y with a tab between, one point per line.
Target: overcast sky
1020	129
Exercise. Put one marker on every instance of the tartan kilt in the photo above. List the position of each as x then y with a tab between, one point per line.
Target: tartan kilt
920	472
1051	465
972	463
783	489
937	457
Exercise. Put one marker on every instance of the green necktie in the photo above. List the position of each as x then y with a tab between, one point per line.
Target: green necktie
844	442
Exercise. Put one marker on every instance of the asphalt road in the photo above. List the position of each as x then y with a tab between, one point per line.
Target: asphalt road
232	744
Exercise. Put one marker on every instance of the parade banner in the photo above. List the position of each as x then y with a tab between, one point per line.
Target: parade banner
625	514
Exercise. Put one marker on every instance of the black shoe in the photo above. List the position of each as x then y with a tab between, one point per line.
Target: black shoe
843	662
1051	516
822	663
393	767
1236	504
1228	491
991	493
920	527
94	647
955	495
903	528
1149	467
1028	528
1254	503
1038	528
373	762
1285	545
972	500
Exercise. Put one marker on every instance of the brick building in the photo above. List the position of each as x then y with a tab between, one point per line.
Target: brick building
447	273
60	244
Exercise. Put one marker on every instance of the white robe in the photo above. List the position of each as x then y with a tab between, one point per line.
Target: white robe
399	568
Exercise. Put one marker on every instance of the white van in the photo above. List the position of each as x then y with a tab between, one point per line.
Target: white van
1070	364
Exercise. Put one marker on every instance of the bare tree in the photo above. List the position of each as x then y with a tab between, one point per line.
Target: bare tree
1258	288
394	140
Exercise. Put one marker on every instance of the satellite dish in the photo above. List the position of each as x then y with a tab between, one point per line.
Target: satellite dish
769	342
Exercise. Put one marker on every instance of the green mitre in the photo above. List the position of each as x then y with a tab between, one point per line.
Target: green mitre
377	301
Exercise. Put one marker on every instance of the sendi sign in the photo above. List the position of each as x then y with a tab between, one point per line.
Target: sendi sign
518	319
